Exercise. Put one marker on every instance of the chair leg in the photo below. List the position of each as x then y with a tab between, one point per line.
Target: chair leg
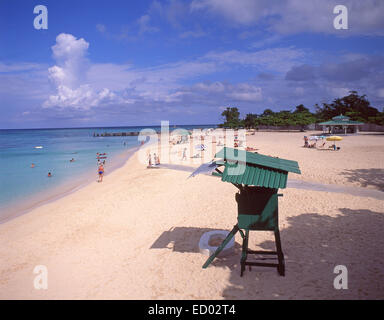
280	255
244	252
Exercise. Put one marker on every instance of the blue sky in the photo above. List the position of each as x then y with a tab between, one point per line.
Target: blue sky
116	63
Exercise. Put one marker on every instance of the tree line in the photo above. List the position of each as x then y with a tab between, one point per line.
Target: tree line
358	108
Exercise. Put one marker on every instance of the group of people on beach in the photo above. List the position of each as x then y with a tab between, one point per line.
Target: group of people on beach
155	161
100	164
315	139
309	145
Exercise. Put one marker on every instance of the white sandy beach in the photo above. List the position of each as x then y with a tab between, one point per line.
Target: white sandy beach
135	236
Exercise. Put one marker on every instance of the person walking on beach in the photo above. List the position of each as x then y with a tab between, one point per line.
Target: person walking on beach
101	173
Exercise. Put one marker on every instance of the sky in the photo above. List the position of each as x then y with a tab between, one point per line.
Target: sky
127	63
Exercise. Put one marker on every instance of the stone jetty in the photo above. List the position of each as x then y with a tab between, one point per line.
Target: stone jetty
116	134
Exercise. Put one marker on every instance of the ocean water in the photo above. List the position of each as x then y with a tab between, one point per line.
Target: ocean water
22	187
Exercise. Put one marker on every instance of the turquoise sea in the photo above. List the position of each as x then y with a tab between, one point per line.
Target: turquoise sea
22	187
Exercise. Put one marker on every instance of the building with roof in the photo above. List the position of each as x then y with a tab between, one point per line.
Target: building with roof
341	124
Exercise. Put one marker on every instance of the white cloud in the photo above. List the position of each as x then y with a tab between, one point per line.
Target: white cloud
293	16
82	97
266	42
380	92
70	55
69	75
101	28
223	91
193	34
164	83
144	25
276	59
217	87
246	92
15	67
299	91
241	12
338	91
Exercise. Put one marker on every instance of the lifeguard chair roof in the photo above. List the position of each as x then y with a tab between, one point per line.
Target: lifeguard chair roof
260	170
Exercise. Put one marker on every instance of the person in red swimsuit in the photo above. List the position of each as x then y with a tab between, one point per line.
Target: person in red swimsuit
101	173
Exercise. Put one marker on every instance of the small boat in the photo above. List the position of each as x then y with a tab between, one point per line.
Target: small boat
39	147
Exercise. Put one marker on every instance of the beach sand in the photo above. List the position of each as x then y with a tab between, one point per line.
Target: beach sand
136	235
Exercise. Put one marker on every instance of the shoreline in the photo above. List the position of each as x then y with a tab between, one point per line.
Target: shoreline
35	201
136	235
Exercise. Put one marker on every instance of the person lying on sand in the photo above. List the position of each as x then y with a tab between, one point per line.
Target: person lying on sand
322	145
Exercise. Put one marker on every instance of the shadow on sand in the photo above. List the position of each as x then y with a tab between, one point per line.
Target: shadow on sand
313	245
186	239
366	177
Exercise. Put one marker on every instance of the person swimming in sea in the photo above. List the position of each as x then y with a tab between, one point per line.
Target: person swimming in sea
101	173
49	174
72	160
32	165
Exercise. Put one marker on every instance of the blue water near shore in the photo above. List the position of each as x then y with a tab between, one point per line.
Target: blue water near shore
20	183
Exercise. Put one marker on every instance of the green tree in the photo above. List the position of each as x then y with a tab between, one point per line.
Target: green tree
300	108
357	107
231	117
267	112
250	120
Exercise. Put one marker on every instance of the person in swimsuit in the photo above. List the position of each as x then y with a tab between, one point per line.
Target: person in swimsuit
32	165
49	174
101	173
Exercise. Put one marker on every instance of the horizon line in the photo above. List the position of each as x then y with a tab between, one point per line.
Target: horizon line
98	127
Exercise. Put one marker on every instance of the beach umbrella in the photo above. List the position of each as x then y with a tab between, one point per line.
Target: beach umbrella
334	139
208	167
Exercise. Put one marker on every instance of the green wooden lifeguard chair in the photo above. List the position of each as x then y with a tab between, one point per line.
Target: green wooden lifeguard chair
258	178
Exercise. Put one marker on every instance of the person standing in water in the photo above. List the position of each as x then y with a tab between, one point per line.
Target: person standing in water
101	172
